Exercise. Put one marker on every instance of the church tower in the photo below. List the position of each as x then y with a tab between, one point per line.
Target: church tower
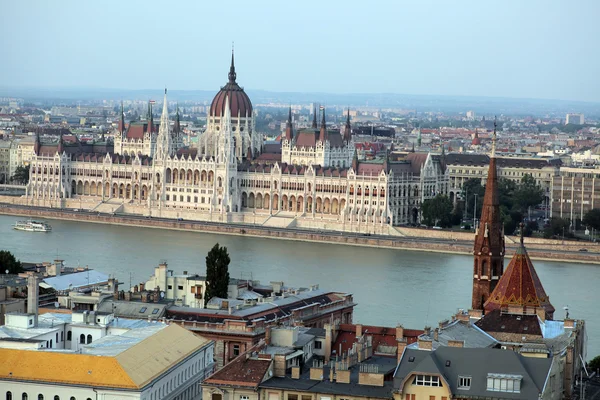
164	142
488	251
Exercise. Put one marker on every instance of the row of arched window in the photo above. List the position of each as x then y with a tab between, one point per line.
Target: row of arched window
25	396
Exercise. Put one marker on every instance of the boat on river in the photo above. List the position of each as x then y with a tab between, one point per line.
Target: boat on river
32	226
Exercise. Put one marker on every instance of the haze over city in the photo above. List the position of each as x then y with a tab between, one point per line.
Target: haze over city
533	49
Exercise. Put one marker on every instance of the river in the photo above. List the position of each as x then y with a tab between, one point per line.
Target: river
390	286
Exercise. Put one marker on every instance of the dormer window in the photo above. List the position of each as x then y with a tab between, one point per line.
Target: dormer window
504	383
427	380
464	382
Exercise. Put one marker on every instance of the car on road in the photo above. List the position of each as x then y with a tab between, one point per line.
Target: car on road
437	227
584	250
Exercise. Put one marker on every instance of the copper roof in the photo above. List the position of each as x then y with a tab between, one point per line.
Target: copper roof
239	102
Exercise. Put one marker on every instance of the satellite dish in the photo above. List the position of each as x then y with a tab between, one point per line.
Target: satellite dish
56	305
162	295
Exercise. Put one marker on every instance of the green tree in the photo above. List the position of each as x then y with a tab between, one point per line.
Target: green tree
470	188
592	218
557	227
9	262
594	365
217	273
21	175
528	194
437	211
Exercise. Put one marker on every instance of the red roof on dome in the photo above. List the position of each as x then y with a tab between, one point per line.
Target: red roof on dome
239	102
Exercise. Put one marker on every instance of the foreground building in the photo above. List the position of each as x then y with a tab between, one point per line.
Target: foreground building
89	355
511	304
312	178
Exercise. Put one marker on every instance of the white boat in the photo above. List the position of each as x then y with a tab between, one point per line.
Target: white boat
32	226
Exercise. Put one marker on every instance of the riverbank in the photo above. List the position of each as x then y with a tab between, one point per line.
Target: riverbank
551	251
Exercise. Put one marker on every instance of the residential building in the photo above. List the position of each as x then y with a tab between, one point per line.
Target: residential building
475	373
9	304
458	332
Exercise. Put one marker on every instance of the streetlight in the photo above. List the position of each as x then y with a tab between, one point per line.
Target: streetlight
475	212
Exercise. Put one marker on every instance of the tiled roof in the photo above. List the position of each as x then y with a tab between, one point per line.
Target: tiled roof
495	321
307	138
381	335
519	286
243	371
471	335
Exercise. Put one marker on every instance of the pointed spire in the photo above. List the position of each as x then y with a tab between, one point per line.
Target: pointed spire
177	121
348	128
386	162
413	148
493	155
355	161
289	129
163	142
323	132
59	148
232	74
122	119
38	144
314	123
150	118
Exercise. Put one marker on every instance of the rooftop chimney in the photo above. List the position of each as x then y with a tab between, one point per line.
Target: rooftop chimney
33	296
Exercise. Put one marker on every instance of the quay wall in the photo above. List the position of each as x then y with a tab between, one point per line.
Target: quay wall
448	243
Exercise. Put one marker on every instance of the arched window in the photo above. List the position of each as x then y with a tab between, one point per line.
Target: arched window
89	339
82	338
56	337
8	395
62	336
50	343
69	335
24	396
72	398
40	396
56	398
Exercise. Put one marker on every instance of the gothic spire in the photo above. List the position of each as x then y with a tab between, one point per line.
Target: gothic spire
348	128
489	241
493	155
163	142
355	161
150	117
289	128
122	119
232	74
38	144
323	132
177	121
314	123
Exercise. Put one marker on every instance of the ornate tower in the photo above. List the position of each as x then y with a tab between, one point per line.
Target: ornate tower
347	128
488	252
323	131
163	141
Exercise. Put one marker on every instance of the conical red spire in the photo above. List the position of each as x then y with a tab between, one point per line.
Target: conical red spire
488	250
520	286
289	129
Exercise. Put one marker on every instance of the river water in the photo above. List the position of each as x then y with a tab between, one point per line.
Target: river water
390	286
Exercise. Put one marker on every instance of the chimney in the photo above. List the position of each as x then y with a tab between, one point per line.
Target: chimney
328	342
33	296
401	347
279	365
436	334
569	323
476	314
425	344
316	372
427	331
295	372
456	343
135	289
142	287
268	335
358	330
58	267
399	332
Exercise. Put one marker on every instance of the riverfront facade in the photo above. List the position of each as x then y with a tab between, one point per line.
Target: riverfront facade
310	178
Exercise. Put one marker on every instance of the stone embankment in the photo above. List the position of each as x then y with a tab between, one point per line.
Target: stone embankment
412	239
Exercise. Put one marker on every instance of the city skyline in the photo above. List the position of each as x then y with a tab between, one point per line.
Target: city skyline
474	50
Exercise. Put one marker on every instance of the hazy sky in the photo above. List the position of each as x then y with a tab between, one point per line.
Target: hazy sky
521	48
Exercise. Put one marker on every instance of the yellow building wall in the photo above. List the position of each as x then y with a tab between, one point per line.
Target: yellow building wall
422	392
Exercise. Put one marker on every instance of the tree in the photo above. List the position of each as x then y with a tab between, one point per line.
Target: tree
592	218
594	365
9	262
470	188
437	211
21	175
528	194
558	227
217	273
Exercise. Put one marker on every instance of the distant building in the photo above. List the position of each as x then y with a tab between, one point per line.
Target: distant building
576	119
471	115
575	192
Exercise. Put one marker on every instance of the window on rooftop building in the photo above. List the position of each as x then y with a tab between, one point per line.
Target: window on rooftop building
143	309
427	380
40	396
24	396
89	339
318	344
464	382
236	350
504	383
155	311
8	395
56	397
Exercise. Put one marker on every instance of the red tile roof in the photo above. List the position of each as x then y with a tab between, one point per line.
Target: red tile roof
382	335
243	371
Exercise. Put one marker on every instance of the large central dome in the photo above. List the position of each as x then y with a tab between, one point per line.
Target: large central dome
239	102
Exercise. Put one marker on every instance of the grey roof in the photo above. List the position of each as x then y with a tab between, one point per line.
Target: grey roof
352	389
133	309
477	363
317	332
472	335
75	280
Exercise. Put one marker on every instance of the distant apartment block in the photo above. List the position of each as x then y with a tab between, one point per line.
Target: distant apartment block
576	119
574	192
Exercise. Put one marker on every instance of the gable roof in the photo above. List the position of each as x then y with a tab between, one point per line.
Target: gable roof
243	371
452	362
